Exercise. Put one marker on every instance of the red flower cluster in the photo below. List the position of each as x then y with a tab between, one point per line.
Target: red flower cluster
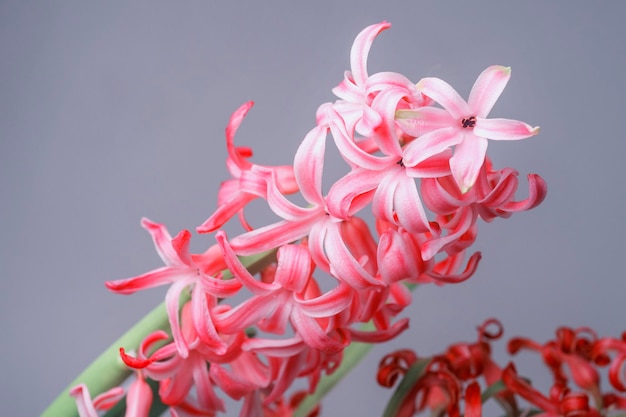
453	376
411	149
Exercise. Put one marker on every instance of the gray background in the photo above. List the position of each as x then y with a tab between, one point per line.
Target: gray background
111	111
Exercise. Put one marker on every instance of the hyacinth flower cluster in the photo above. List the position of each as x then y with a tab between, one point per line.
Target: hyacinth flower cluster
450	383
417	161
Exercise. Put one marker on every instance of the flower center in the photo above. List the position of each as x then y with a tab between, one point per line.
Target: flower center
469	122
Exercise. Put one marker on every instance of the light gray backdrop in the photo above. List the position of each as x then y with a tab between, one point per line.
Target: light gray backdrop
112	111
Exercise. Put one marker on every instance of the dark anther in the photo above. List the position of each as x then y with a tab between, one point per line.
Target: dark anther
469	122
401	163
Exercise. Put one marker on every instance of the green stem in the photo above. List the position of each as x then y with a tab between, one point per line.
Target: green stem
108	370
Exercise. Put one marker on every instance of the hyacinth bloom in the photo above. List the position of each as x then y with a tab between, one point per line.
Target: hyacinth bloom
230	198
183	270
466	122
416	160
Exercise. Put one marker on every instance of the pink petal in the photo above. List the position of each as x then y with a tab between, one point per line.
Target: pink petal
537	190
430	144
279	204
378	336
162	241
204	388
275	347
439	199
309	164
180	244
313	335
467	217
83	401
233	124
444	94
360	50
434	167
351	152
273	235
239	271
385	80
294	267
408	206
385	134
343	266
396	257
246	314
203	322
154	278
328	304
139	399
487	89
353	192
172	298
503	129
225	212
417	122
467	160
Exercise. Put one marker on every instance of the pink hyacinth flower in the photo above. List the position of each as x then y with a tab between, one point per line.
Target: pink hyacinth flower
231	199
467	121
184	270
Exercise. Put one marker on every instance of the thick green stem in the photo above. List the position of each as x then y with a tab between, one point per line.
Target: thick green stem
108	370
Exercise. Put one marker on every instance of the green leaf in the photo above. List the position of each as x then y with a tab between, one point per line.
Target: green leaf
414	373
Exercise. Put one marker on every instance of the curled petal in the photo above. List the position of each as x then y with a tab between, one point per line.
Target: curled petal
87	407
537	191
309	164
361	48
239	271
353	192
328	304
343	265
313	335
162	241
382	335
233	124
